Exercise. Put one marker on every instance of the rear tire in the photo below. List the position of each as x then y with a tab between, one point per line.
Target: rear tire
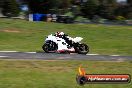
82	49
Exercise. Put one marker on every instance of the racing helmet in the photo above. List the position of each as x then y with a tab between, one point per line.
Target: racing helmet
59	34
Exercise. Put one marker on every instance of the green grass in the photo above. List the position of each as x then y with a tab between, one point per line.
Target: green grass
102	39
57	74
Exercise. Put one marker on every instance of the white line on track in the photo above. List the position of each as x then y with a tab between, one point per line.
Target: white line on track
115	55
92	54
30	52
8	51
3	56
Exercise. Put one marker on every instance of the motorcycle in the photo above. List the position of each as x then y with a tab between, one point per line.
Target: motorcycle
57	44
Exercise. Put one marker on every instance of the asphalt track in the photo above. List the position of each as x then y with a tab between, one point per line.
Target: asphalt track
55	56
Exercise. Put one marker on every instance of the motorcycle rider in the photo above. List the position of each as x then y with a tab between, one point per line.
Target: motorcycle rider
65	37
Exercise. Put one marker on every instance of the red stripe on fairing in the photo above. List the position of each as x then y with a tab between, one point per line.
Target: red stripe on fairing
61	51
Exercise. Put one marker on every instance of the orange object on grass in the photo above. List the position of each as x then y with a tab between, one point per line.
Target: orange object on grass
81	71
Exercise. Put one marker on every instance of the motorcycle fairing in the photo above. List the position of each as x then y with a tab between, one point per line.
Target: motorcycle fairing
62	45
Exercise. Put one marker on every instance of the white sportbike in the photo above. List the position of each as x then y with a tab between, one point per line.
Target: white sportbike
57	44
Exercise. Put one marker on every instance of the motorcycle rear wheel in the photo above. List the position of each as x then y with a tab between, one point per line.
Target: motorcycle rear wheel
82	49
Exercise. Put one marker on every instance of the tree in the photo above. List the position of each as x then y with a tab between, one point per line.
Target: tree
102	11
121	10
65	4
1	3
44	6
124	10
129	2
129	9
89	8
38	6
129	12
10	8
107	8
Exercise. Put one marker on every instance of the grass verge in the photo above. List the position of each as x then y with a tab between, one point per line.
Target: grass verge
57	74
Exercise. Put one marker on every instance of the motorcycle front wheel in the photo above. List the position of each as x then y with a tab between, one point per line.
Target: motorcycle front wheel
49	47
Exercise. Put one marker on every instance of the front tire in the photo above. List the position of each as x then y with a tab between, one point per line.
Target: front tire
49	47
